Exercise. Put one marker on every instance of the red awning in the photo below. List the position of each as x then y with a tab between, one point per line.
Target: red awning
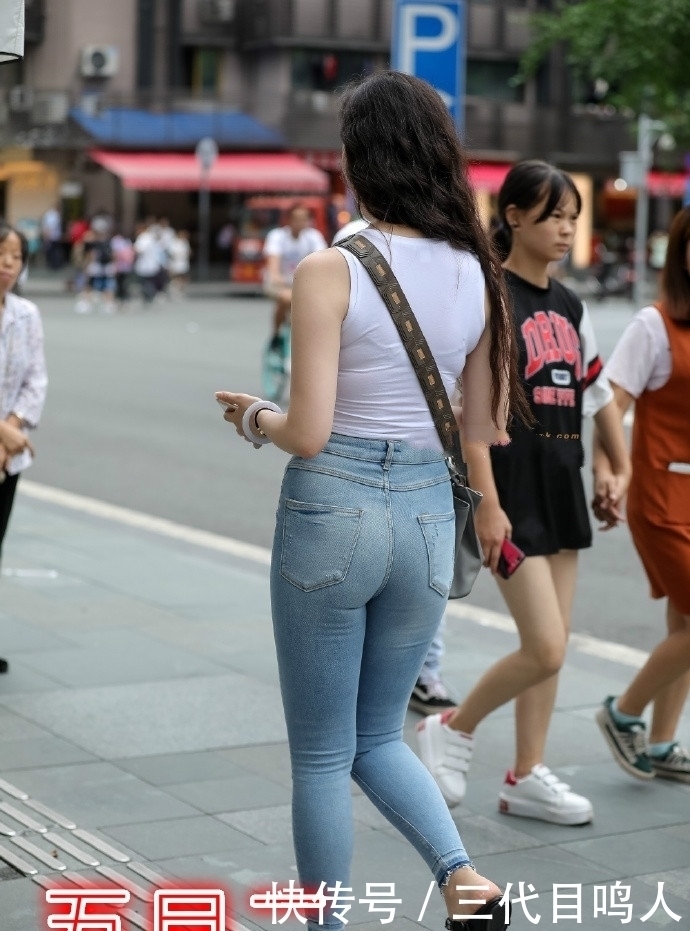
167	171
486	176
662	184
659	184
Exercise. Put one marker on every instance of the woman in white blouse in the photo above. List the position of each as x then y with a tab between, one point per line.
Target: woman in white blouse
23	378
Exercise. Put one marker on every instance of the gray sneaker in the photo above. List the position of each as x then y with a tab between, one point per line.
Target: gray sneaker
627	742
674	765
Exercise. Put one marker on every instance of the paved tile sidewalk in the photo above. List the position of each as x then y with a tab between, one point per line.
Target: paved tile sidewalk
142	708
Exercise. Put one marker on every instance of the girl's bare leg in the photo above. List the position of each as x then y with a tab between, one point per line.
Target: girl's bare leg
534	706
532	599
663	677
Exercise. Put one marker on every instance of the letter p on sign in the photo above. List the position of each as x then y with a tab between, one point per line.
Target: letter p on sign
413	41
429	42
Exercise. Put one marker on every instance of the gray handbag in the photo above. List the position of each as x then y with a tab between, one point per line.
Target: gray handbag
468	551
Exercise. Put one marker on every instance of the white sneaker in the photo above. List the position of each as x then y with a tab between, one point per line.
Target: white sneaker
82	307
542	795
446	754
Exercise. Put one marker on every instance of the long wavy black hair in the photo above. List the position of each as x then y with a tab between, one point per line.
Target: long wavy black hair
405	164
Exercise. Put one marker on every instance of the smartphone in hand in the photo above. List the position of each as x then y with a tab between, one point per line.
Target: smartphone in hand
511	557
225	405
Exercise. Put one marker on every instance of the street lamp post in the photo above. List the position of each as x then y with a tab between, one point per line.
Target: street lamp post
648	131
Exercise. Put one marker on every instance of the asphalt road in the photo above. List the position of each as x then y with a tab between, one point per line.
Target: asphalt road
131	420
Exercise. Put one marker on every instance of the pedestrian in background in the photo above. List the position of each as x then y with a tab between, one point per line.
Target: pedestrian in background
284	249
651	366
23	378
179	254
363	550
123	258
533	494
147	263
101	269
51	235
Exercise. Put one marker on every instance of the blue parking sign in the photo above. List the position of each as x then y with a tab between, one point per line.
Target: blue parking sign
429	40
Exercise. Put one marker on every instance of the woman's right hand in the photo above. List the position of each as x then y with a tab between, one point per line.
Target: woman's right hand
492	526
14	440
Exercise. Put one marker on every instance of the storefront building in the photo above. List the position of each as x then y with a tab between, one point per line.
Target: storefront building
152	77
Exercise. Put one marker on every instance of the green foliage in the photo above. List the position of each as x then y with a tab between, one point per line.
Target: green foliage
640	47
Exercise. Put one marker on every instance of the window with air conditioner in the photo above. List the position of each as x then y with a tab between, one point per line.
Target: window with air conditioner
99	61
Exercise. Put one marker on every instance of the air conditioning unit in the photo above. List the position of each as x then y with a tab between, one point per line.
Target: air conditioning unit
21	98
50	108
99	61
216	12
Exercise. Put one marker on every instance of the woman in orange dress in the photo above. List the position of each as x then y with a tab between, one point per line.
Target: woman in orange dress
651	366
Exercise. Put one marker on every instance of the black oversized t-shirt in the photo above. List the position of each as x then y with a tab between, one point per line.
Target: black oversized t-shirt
538	474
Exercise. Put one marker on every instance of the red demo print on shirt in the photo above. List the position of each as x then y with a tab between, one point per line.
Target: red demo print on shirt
550	338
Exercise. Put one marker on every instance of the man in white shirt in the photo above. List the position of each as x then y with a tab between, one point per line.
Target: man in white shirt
284	249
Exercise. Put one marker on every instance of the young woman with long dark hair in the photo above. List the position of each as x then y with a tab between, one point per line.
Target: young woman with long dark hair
363	551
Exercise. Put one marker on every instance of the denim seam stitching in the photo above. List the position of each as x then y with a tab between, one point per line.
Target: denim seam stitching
391	539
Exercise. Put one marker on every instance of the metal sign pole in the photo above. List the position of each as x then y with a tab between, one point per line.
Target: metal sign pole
648	131
206	153
204	221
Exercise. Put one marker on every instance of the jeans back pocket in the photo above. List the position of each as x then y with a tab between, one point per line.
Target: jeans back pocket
439	536
318	543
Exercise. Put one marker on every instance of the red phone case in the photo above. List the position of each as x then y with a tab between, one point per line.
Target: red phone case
510	558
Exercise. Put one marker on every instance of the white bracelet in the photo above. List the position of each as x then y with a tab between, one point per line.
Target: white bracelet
259	439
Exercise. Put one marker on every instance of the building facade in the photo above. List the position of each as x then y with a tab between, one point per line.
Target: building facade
92	68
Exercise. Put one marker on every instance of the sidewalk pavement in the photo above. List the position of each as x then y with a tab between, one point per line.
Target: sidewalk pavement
142	708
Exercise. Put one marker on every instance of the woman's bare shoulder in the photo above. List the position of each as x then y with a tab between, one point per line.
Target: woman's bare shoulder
323	279
324	262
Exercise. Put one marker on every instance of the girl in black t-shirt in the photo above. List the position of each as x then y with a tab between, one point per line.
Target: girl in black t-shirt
533	493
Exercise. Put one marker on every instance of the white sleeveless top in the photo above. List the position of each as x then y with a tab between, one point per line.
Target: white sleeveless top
378	393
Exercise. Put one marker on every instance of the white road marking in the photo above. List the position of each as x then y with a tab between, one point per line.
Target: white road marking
592	646
160	525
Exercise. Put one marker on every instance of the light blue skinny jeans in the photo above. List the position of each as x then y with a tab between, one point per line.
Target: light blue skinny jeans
362	564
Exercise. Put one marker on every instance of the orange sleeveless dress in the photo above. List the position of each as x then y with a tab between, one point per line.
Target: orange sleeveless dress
659	496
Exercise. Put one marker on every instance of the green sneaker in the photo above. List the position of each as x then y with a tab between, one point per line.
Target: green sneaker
674	765
628	742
